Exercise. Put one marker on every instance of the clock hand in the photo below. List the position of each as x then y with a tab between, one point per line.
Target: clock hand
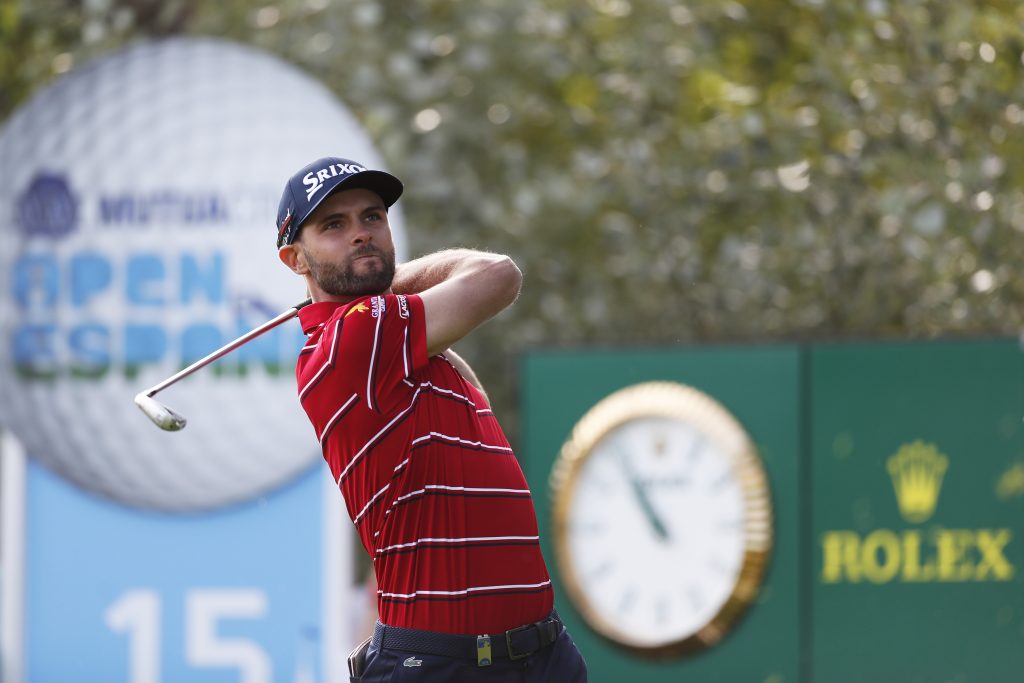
642	498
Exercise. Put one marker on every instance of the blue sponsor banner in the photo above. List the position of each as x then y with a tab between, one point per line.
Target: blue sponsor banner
128	252
117	594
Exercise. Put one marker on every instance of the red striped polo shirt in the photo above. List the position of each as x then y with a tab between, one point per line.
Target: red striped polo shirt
429	480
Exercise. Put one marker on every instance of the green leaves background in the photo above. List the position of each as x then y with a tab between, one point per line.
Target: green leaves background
663	172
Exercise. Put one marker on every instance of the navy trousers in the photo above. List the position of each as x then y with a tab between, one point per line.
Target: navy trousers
559	662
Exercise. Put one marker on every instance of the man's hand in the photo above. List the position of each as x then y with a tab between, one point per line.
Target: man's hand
461	289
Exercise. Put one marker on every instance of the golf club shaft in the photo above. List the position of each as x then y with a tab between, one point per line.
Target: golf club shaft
228	348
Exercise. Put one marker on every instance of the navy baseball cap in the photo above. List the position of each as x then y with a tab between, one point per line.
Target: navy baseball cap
314	182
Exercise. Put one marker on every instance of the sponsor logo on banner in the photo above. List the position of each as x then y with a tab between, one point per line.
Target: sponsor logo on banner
47	208
132	250
69	303
917	555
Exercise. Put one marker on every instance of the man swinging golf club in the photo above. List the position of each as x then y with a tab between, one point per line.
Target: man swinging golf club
429	480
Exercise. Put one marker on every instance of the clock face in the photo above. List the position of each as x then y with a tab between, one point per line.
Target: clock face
662	518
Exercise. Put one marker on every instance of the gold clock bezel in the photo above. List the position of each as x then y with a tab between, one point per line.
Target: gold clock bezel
681	402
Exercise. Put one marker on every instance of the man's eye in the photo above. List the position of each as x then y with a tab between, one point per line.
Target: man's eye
373	217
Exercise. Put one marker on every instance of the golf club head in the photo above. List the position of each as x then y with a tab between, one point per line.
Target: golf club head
162	416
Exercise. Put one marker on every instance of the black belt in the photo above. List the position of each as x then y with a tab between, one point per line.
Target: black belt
515	643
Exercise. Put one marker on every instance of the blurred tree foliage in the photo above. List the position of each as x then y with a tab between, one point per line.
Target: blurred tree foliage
664	172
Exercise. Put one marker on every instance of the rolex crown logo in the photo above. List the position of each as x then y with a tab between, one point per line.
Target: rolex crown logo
916	471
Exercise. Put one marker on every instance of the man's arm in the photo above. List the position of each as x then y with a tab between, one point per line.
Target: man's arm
460	289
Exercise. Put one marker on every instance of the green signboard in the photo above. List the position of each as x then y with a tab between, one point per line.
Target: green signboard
896	478
918	541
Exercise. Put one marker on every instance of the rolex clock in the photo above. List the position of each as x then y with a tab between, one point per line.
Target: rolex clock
662	519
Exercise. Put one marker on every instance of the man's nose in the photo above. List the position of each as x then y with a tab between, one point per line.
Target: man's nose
361	235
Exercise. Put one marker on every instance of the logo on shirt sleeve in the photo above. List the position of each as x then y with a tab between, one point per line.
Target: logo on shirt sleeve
358	308
377	306
403	306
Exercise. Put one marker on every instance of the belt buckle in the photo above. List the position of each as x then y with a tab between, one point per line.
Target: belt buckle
508	642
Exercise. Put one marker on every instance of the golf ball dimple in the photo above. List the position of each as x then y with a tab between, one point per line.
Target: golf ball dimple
136	236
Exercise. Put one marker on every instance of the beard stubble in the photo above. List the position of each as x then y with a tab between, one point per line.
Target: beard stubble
343	281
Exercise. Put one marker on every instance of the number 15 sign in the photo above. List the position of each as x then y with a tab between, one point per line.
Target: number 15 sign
255	592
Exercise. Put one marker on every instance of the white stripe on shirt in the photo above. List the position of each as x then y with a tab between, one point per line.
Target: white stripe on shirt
455	439
468	539
467	489
325	366
330	423
383	429
472	589
370	502
405	350
373	356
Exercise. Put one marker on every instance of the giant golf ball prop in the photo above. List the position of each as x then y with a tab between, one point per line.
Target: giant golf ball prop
136	235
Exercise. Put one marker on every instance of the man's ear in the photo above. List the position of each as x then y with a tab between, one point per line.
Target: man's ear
293	257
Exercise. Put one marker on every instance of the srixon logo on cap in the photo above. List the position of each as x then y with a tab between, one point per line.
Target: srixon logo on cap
314	180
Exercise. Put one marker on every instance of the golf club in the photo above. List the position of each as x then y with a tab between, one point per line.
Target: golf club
165	418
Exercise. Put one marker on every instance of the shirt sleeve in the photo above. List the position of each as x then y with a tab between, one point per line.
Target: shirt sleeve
377	343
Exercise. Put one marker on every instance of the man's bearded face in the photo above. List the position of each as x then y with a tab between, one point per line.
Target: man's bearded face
374	276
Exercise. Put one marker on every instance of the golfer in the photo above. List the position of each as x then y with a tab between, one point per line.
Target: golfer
429	480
